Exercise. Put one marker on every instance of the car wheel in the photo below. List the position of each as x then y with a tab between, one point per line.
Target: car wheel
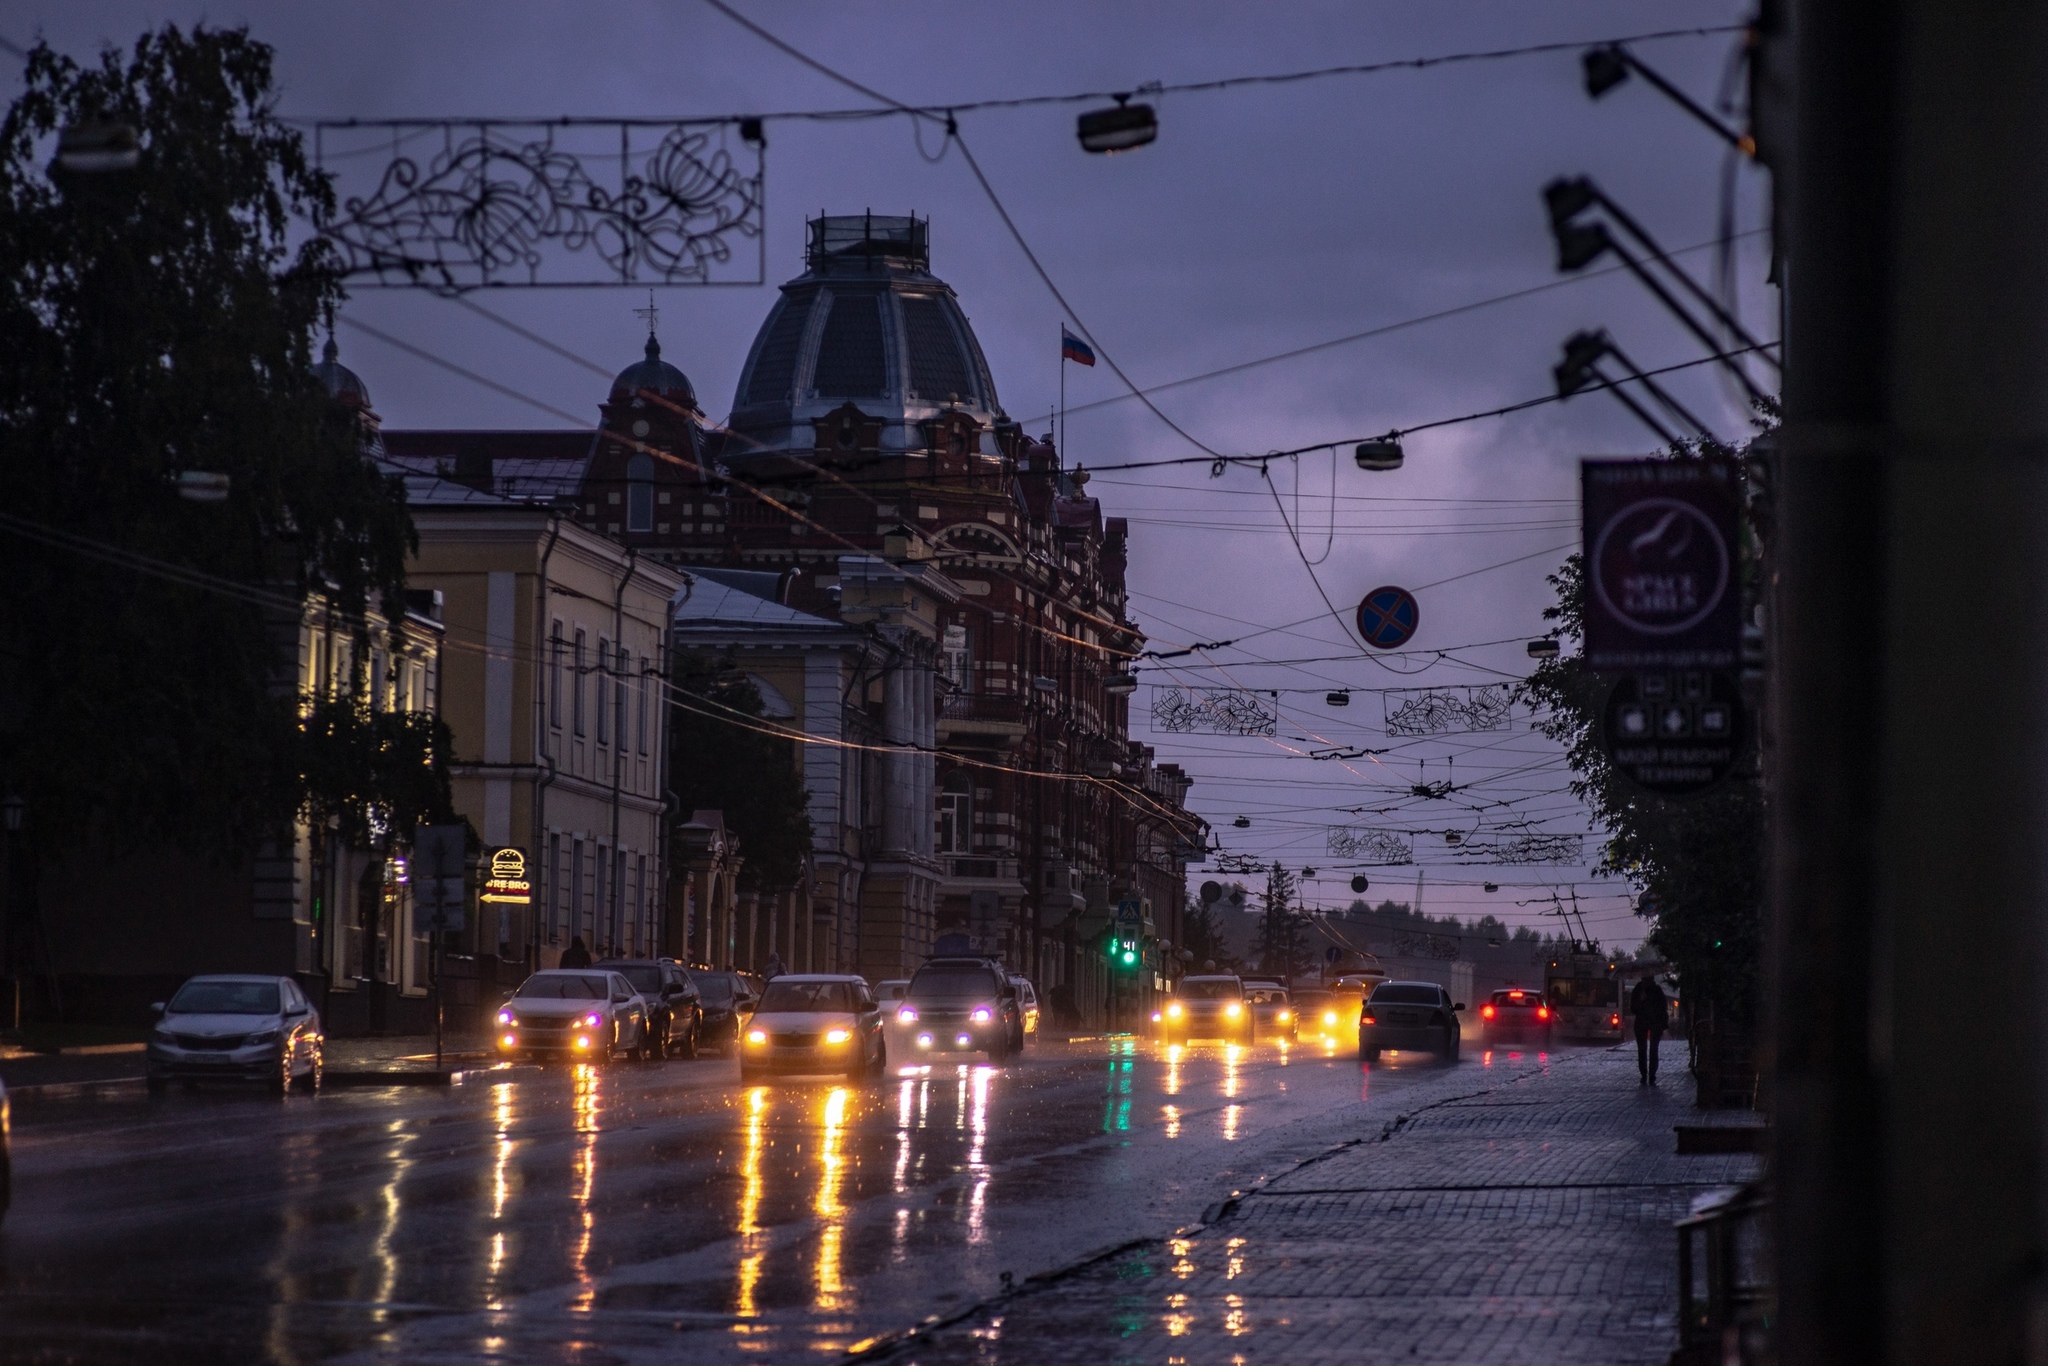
311	1081
999	1049
882	1056
1367	1051
688	1048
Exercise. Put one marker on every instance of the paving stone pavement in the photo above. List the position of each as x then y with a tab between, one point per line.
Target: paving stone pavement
1496	1217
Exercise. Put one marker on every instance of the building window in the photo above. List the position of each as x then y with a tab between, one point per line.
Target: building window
604	665
576	663
640	722
558	890
624	667
555	676
956	661
578	899
956	817
640	493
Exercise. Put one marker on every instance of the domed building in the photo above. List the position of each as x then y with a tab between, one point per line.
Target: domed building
866	334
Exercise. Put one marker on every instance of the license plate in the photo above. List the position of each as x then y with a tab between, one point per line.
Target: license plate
212	1059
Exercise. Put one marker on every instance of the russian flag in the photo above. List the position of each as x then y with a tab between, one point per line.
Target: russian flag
1074	349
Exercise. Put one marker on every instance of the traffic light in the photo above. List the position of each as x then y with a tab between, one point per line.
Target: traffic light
1124	953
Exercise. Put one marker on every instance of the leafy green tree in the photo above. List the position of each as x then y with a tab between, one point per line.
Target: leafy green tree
156	321
724	760
1696	861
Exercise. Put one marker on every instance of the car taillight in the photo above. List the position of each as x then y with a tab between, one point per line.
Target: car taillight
1486	1012
1614	1019
1542	1012
1367	1019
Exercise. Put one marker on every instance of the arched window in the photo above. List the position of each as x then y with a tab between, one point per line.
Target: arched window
640	493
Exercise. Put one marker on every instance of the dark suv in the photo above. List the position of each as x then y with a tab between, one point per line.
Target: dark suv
962	1005
1409	1015
675	1011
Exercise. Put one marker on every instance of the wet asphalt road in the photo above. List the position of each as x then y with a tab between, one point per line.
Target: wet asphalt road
636	1213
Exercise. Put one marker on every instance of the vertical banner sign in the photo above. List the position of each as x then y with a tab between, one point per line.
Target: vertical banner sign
1664	617
1662	578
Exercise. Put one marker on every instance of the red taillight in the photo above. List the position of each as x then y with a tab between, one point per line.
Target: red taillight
1486	1011
1614	1019
1367	1019
1542	1012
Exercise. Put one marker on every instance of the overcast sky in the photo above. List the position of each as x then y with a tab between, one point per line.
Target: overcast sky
1263	219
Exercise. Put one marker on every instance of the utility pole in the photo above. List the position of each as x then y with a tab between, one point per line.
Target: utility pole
1912	505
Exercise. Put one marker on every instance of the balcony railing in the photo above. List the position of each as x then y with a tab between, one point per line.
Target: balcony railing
983	707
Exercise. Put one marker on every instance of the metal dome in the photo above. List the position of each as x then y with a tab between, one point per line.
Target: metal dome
342	383
867	323
656	375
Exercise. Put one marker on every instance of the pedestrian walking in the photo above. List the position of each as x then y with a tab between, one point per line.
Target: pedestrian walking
1652	1011
774	969
577	955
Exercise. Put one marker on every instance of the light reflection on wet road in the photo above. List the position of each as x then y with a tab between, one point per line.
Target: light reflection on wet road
637	1212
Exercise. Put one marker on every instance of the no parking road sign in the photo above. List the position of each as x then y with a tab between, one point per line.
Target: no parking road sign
1388	617
1662	581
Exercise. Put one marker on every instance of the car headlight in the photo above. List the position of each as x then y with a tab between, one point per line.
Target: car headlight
583	1041
593	1019
1173	1011
267	1036
757	1036
838	1035
1155	1017
907	1015
1283	1014
505	1017
509	1041
1329	1017
163	1036
1233	1010
980	1015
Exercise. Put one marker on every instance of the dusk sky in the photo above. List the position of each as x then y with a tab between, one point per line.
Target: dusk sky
1265	218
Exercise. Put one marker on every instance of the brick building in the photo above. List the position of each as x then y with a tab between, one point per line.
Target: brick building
866	428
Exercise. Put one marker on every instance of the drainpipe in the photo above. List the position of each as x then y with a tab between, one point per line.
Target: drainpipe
544	658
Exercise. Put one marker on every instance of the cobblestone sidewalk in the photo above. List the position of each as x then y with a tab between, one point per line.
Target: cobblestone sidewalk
1496	1219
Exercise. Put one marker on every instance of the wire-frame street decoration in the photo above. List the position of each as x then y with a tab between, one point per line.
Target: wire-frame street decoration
1448	711
1418	944
501	203
1214	711
1238	863
1531	848
1363	844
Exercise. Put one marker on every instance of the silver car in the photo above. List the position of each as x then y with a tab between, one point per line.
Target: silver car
237	1026
575	1013
815	1022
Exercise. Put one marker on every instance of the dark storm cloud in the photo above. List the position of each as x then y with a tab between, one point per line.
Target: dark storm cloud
1261	220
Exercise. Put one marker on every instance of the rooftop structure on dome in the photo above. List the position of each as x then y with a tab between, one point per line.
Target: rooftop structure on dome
654	375
343	383
866	325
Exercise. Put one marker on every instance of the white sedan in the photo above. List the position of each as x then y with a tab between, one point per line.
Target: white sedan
239	1026
577	1013
814	1022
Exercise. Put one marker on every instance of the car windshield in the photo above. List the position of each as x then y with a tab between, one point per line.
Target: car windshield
225	998
1515	998
1400	994
1212	989
891	991
713	986
1266	996
934	984
1583	991
565	986
644	977
784	995
1309	1000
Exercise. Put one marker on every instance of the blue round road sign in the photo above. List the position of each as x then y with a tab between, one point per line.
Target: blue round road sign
1388	617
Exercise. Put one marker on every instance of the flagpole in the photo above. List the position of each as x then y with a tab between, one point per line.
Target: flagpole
1061	446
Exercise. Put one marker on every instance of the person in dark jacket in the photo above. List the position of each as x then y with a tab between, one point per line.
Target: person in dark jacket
1652	1011
576	955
